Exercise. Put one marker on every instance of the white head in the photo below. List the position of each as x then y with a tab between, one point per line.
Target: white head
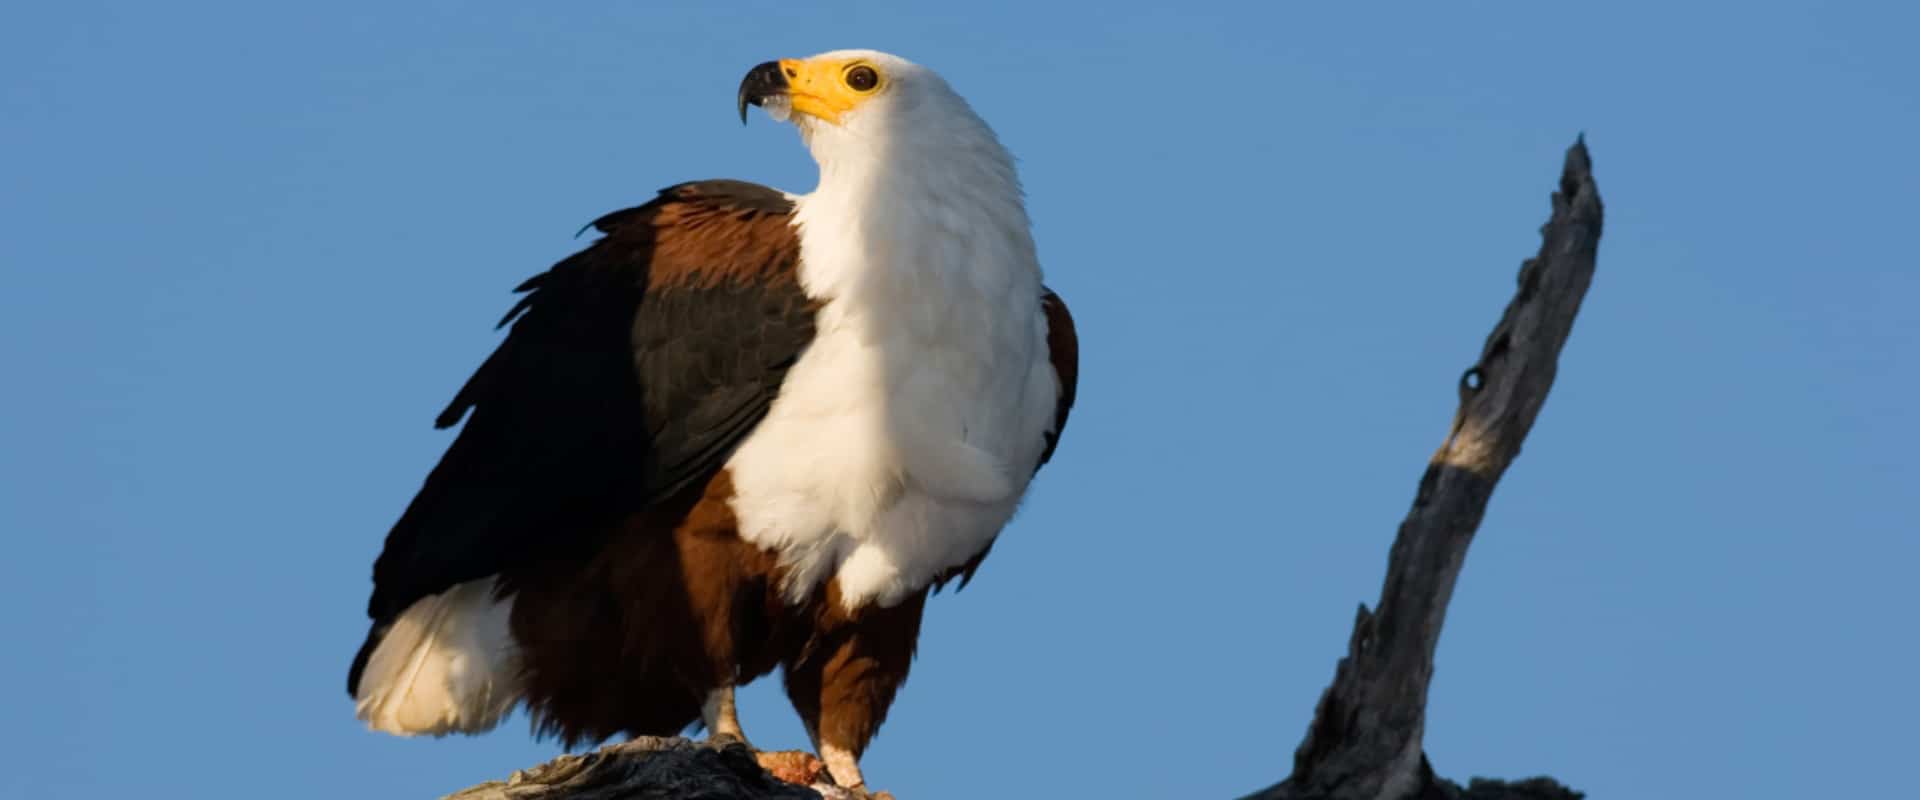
859	109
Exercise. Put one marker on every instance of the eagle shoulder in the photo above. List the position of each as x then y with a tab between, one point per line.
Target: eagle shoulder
1063	351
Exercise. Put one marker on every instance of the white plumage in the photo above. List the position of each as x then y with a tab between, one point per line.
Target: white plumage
904	437
448	665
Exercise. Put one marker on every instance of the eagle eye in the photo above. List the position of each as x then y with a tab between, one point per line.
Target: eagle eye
862	78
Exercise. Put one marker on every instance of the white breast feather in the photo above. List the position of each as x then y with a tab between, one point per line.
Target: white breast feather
904	437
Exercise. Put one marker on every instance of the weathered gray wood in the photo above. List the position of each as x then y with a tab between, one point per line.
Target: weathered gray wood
645	768
1365	738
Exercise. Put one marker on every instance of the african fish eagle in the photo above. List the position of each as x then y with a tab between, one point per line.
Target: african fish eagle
743	429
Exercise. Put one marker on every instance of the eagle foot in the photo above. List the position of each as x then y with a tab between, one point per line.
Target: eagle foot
805	769
721	740
793	766
829	791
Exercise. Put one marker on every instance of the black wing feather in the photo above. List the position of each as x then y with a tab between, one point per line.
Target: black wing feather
605	396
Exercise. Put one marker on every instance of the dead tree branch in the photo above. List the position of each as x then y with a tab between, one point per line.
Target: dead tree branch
1366	734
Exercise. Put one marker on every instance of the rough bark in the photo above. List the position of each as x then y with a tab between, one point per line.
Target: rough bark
1365	738
647	768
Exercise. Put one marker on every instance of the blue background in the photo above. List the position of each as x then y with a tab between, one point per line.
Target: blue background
250	249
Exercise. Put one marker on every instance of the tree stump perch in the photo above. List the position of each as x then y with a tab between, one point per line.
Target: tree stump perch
649	768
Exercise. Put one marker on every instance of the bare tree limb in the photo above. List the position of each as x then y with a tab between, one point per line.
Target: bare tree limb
1366	734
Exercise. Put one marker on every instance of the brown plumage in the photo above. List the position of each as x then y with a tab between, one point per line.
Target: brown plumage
690	607
589	481
674	605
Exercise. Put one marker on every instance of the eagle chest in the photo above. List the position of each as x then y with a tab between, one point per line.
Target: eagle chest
891	456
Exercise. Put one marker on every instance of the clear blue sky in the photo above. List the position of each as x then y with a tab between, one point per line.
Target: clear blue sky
250	249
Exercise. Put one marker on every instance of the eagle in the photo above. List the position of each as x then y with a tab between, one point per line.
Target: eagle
742	430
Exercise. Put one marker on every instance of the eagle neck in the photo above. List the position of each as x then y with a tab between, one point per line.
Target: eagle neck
937	214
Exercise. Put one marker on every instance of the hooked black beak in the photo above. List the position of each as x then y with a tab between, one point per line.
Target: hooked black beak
762	82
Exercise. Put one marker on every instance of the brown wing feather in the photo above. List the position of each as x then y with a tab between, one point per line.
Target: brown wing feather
1063	347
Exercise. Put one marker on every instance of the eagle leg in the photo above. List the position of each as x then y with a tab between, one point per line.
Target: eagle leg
843	681
721	718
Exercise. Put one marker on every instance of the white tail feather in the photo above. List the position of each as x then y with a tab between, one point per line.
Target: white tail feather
447	665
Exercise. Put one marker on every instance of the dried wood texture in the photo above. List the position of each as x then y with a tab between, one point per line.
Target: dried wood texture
645	768
1365	738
